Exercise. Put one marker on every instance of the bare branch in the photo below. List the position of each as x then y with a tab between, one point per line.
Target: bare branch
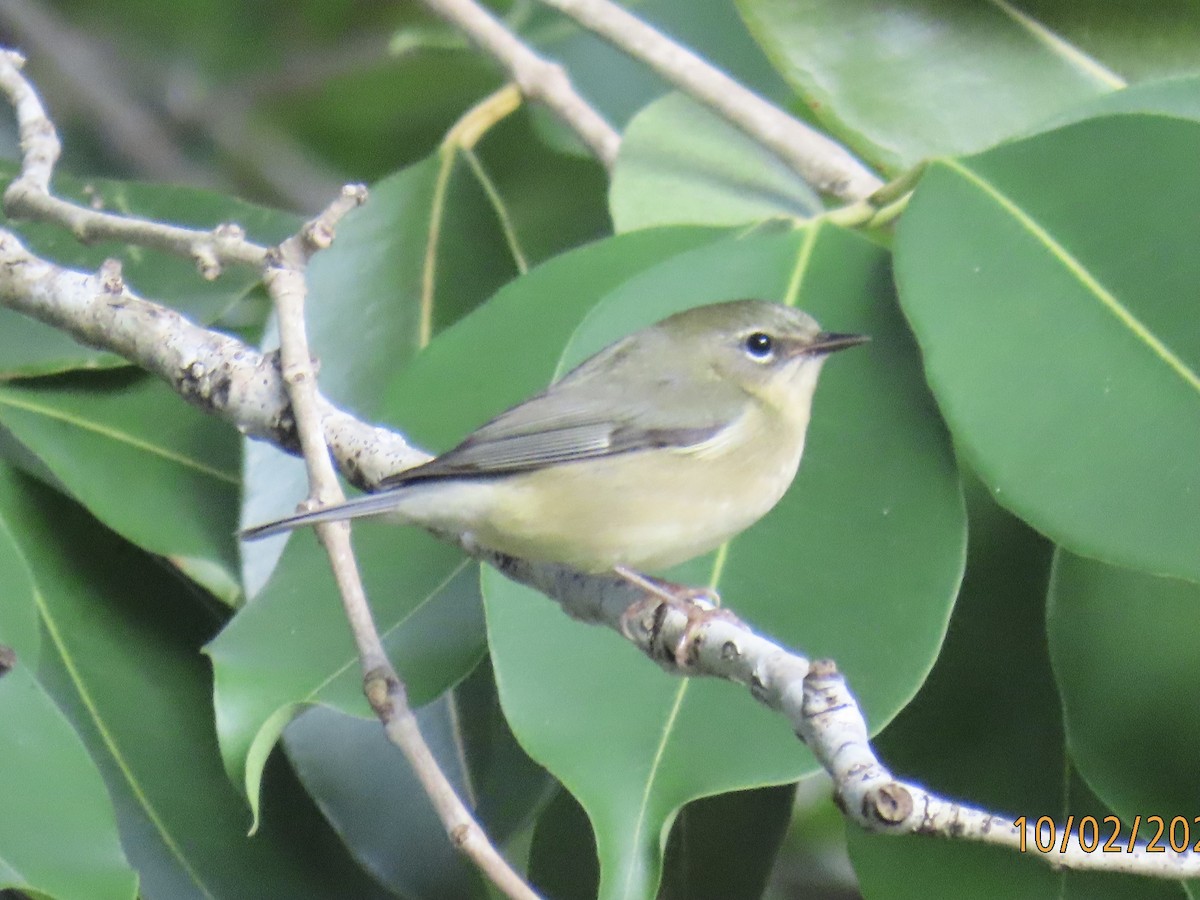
215	372
823	163
539	79
813	697
386	693
29	194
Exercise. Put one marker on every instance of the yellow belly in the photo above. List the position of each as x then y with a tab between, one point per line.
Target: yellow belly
647	510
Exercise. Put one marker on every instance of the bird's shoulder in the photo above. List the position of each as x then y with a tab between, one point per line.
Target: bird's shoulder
619	401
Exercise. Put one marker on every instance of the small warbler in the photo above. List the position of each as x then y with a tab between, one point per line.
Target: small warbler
655	450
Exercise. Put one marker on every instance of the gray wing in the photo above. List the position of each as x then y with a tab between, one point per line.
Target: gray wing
594	411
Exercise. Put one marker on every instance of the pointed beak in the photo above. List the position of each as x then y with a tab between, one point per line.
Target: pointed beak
830	342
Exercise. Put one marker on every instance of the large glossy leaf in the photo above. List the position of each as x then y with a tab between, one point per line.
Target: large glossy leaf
990	705
159	472
1051	285
290	646
120	635
1124	652
1169	97
49	784
393	274
725	846
681	163
868	542
903	80
30	348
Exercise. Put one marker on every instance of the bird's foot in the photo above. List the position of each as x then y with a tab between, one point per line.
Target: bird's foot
699	605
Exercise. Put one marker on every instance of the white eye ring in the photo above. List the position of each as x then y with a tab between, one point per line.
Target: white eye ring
759	346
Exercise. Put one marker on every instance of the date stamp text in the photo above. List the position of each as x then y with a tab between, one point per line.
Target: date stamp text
1106	835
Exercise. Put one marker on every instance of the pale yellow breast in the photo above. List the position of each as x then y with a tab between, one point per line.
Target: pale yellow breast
647	510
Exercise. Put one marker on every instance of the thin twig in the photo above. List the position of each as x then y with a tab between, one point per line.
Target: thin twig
823	163
539	79
213	371
29	196
285	283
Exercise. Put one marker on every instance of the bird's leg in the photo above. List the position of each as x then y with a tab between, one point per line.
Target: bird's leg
700	605
670	591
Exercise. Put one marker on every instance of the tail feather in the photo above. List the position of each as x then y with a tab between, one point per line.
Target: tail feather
370	505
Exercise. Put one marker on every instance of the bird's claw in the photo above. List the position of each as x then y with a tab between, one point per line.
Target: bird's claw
699	605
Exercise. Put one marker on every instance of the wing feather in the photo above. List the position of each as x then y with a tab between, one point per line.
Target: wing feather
597	410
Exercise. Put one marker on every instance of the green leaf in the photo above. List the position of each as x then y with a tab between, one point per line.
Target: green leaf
1169	97
725	846
878	484
29	348
991	705
1063	352
553	201
504	351
397	272
159	472
118	655
902	81
562	855
49	784
1123	647
681	163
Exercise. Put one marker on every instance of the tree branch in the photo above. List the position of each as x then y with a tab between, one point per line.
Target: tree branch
823	163
814	698
539	79
28	196
285	282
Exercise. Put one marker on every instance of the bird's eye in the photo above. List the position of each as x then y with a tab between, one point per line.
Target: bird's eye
759	345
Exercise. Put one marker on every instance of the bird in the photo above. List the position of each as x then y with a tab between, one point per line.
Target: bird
655	450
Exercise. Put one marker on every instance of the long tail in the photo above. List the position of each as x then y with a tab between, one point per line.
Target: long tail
370	505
